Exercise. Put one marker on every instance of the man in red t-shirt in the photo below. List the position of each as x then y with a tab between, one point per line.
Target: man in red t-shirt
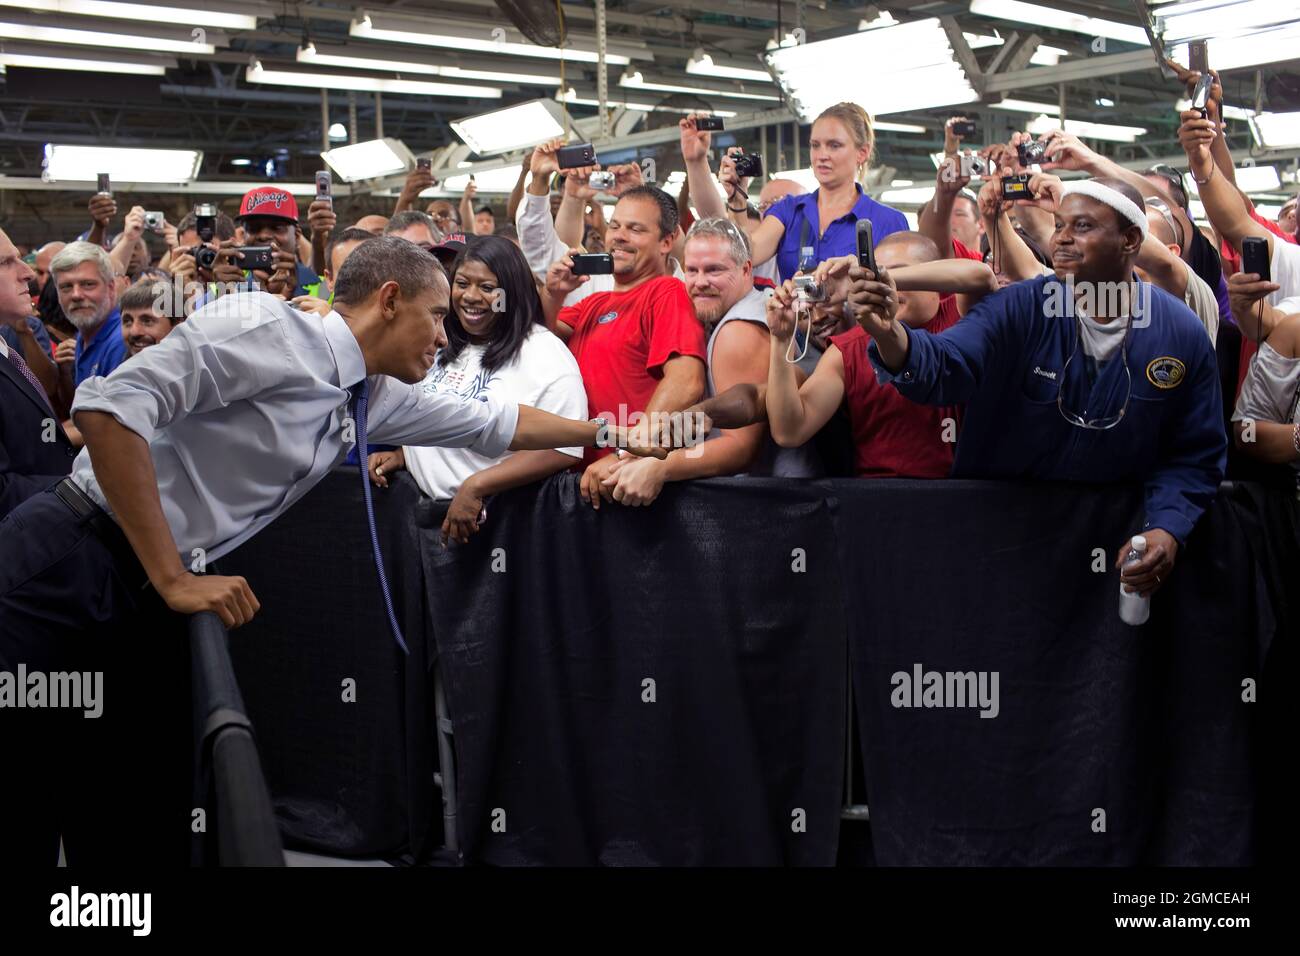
640	348
893	437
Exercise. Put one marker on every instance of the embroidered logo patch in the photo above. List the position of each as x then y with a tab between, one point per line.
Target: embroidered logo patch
1166	372
607	318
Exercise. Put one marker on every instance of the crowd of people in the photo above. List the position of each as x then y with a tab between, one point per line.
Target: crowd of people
1035	325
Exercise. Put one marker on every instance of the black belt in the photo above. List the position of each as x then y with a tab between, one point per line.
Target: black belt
104	528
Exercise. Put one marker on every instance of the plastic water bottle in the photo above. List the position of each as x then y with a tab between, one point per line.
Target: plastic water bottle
1134	608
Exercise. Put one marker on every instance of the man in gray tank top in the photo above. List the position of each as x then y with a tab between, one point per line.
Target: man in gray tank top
719	279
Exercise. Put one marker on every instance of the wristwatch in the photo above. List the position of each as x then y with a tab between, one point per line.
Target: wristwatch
602	432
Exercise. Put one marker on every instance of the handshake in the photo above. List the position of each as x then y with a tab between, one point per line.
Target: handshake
655	434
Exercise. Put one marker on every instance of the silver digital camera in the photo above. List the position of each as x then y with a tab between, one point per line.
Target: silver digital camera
153	220
807	289
601	180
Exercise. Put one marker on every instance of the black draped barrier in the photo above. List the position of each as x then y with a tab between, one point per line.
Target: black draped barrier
343	717
646	686
667	685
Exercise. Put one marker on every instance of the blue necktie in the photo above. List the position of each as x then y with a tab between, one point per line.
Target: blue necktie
360	402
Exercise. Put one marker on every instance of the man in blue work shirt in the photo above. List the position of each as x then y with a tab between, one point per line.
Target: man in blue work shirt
83	277
1085	375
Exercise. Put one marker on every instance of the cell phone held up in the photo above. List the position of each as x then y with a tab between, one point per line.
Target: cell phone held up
1254	257
324	183
1201	95
255	258
1198	57
963	128
711	124
593	264
579	154
105	188
866	246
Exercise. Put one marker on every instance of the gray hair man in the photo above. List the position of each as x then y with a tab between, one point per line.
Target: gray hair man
85	280
719	278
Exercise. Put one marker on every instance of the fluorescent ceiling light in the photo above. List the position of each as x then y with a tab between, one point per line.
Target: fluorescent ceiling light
1268	210
1106	131
327	56
515	127
804	177
1017	12
1204	19
501	180
1250	179
898	127
1028	106
900	183
1043	55
571	96
472	39
123	164
44	34
139	11
369	160
1276	130
702	64
38	61
369	84
241	162
913	196
634	80
1276	45
894	70
883	19
338	131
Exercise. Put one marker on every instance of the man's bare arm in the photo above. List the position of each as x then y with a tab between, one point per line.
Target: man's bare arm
124	469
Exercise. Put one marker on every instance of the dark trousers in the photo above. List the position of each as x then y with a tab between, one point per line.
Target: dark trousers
117	788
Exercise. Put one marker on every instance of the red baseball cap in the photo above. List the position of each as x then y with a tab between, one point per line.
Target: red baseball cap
269	201
447	250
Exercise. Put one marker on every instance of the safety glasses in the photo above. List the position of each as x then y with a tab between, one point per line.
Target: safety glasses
1081	420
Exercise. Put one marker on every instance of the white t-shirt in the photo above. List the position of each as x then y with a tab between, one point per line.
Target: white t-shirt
544	374
1200	299
1286	273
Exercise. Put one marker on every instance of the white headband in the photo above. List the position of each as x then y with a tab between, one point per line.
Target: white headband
1111	197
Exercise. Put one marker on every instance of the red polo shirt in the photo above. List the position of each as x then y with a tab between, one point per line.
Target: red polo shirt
622	340
894	437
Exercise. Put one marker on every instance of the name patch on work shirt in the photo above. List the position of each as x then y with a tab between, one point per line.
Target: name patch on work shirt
1166	372
607	318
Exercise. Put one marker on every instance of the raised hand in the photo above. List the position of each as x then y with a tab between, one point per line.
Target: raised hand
873	301
695	142
1066	151
560	279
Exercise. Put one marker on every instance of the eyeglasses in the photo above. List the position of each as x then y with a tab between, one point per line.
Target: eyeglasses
1173	176
1167	214
1106	422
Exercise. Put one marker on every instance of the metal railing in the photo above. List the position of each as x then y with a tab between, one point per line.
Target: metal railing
227	760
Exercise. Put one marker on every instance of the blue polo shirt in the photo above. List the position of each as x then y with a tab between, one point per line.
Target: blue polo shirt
1006	360
105	352
840	237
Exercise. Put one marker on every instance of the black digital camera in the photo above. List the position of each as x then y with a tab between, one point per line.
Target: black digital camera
748	165
1016	187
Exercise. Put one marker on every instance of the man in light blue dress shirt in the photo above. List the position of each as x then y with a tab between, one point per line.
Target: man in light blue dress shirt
193	447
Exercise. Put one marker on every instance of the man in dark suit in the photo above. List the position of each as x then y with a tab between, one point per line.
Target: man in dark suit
34	451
